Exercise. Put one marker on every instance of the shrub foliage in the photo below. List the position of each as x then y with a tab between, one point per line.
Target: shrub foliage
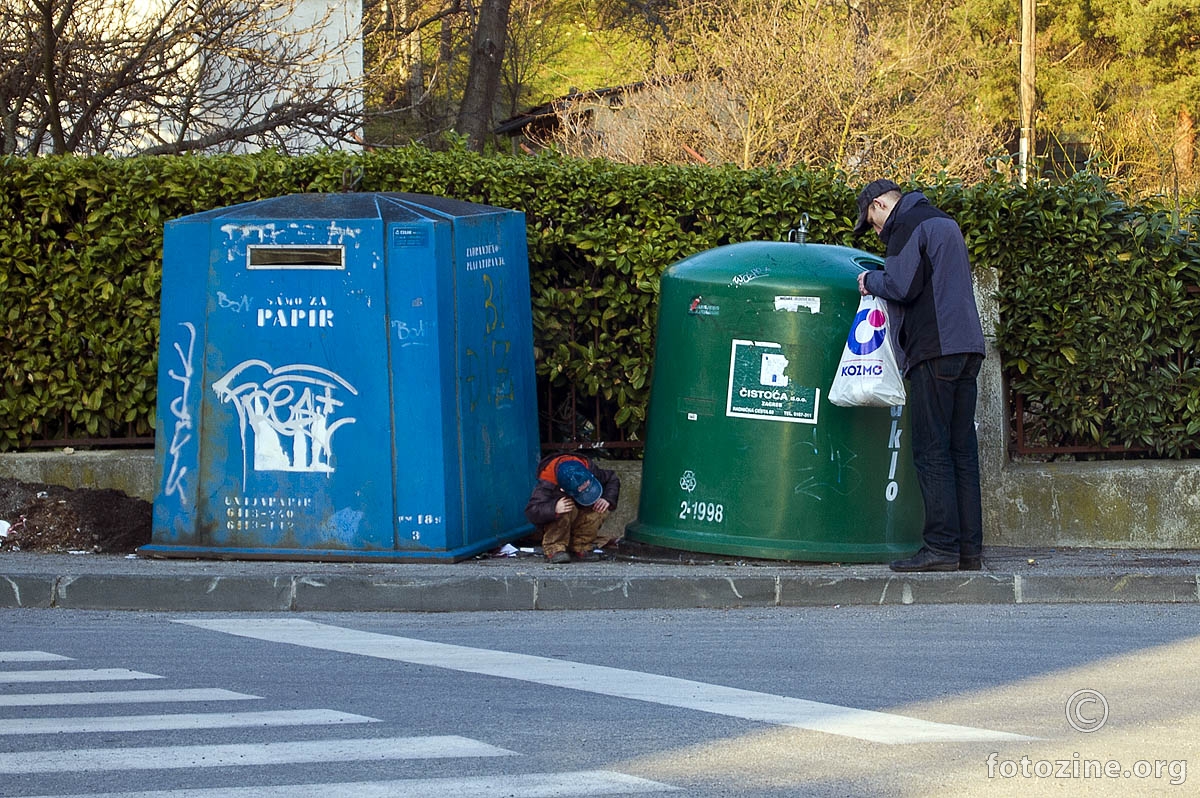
1098	298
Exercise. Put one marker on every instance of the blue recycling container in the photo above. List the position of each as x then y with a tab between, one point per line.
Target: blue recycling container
344	376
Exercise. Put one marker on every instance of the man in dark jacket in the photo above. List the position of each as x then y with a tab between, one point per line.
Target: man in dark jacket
570	501
926	280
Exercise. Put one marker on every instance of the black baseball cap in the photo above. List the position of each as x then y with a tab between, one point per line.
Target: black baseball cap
871	192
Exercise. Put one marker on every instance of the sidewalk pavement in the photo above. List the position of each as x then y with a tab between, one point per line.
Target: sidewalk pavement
634	577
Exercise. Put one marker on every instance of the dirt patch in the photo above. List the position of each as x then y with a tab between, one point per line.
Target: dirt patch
50	518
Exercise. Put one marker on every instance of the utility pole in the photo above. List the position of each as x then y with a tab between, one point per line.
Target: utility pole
1027	94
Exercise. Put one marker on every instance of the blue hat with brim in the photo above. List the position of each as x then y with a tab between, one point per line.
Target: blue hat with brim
578	483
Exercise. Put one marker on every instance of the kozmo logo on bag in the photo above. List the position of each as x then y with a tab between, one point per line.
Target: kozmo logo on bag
875	331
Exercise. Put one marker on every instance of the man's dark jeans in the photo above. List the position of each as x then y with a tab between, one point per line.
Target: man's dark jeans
941	401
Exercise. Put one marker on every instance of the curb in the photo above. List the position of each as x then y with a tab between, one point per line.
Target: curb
332	592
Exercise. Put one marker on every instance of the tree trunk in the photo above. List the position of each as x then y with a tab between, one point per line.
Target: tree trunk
51	29
1185	145
483	76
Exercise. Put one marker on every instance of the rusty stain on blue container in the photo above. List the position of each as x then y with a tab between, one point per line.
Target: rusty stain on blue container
344	376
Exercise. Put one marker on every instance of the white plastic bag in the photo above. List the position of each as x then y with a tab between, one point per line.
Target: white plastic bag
868	375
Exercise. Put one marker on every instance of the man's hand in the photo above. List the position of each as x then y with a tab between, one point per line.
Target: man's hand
601	505
564	505
862	284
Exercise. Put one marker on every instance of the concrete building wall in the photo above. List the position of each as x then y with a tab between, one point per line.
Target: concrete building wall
332	33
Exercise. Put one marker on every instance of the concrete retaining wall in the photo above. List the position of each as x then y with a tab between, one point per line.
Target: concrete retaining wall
1116	504
129	470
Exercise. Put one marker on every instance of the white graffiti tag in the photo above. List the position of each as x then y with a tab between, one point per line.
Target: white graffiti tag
183	418
288	410
236	305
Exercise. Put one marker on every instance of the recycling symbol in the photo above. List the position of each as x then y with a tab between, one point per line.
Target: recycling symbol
688	481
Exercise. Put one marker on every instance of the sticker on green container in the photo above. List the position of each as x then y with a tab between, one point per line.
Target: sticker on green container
759	386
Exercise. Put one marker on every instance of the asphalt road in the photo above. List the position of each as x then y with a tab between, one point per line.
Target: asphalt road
909	701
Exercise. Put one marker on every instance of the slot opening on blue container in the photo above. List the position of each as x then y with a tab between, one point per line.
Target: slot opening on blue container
305	257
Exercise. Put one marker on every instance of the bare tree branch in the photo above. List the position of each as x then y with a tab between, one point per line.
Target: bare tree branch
177	75
871	87
406	22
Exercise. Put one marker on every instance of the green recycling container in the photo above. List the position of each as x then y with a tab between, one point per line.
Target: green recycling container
744	453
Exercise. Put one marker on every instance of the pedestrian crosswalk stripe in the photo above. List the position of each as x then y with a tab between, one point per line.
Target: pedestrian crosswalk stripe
214	720
653	688
529	785
74	675
120	697
30	656
243	755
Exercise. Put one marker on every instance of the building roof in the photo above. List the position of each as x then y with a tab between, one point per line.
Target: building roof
547	110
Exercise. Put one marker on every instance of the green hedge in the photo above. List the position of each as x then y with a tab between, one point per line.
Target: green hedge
1096	316
1099	312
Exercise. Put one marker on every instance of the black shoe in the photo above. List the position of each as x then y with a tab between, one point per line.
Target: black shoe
587	556
926	560
559	557
970	563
